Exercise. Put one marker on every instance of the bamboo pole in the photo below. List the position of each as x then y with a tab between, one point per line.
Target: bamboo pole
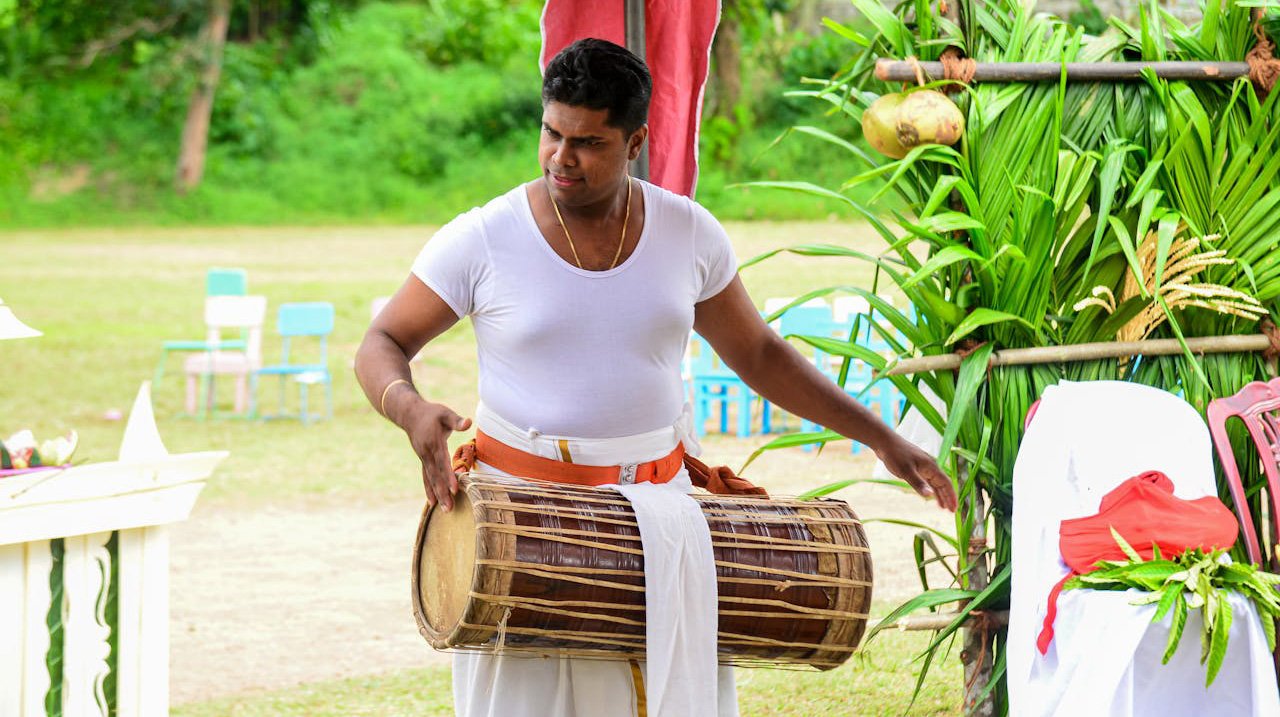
977	652
939	620
1239	343
891	70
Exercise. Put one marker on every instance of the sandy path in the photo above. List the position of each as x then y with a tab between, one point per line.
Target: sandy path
273	597
268	598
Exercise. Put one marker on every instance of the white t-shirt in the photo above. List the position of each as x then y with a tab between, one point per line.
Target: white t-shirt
569	352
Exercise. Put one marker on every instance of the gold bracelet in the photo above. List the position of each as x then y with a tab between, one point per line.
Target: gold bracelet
382	405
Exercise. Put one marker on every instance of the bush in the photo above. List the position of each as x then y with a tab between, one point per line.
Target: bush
812	57
362	131
493	32
375	114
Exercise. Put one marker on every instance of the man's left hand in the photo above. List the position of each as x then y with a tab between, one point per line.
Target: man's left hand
919	469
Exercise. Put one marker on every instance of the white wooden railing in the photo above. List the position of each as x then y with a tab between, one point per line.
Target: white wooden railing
84	579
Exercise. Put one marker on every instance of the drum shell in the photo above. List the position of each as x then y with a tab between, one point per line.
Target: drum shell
558	570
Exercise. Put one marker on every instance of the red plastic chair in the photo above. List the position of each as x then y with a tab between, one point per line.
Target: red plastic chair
1257	404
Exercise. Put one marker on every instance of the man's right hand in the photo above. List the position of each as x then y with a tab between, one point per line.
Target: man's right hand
428	426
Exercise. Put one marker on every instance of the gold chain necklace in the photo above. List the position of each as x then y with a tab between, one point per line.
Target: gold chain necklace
626	217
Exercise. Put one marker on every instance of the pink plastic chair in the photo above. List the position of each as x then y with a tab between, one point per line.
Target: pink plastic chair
1257	405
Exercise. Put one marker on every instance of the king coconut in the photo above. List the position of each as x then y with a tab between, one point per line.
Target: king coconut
897	122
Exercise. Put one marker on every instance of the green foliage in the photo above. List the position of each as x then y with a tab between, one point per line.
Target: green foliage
720	135
365	130
1067	214
57	632
1089	17
54	36
350	111
111	615
1189	581
493	32
820	57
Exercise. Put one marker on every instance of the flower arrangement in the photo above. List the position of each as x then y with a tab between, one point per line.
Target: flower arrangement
20	452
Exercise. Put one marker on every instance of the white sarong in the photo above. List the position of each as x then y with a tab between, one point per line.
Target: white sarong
686	680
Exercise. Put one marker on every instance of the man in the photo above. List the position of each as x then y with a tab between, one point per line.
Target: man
582	286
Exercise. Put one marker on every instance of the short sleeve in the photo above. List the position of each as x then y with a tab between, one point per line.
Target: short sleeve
451	263
716	263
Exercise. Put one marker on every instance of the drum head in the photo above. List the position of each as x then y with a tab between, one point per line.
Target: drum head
447	564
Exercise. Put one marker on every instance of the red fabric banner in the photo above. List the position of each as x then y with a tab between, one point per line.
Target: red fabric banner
678	35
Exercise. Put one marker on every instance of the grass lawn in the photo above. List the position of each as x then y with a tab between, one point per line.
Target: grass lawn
875	682
106	299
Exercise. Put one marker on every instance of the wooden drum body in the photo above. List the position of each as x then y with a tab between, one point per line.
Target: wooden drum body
546	568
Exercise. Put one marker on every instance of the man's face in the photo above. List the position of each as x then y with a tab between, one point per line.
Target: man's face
583	157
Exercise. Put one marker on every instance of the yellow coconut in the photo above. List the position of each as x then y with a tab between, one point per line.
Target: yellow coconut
879	126
928	117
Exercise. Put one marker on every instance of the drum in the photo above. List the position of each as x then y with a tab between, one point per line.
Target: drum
554	569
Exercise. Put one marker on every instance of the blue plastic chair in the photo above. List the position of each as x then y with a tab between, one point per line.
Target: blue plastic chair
811	321
221	281
880	396
303	321
714	384
218	281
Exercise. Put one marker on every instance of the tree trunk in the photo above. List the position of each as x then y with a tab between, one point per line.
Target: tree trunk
726	61
195	133
977	654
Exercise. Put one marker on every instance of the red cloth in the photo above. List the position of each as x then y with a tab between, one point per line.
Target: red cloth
677	36
1145	512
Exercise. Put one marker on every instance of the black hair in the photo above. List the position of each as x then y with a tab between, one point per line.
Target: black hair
600	75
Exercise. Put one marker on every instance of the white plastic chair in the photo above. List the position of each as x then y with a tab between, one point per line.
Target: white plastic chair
227	313
845	308
1086	439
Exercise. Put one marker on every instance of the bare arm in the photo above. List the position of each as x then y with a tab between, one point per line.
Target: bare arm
777	371
413	317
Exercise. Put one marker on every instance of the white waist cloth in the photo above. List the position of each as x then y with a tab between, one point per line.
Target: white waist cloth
637	448
681	676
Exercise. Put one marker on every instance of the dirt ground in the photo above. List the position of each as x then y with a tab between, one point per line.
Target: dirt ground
273	597
268	598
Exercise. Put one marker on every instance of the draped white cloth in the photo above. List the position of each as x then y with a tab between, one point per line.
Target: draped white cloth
1085	439
681	677
680	601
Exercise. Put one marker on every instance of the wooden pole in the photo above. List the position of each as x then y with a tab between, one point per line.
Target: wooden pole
977	652
634	19
891	70
1087	352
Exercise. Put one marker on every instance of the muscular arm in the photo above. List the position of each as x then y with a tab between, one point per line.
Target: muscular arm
413	317
777	371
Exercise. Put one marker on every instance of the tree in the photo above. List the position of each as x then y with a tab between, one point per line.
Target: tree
195	133
726	59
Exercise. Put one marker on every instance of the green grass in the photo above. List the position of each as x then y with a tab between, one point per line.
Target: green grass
875	682
106	299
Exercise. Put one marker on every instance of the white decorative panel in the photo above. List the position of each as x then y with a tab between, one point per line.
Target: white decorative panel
142	680
86	573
